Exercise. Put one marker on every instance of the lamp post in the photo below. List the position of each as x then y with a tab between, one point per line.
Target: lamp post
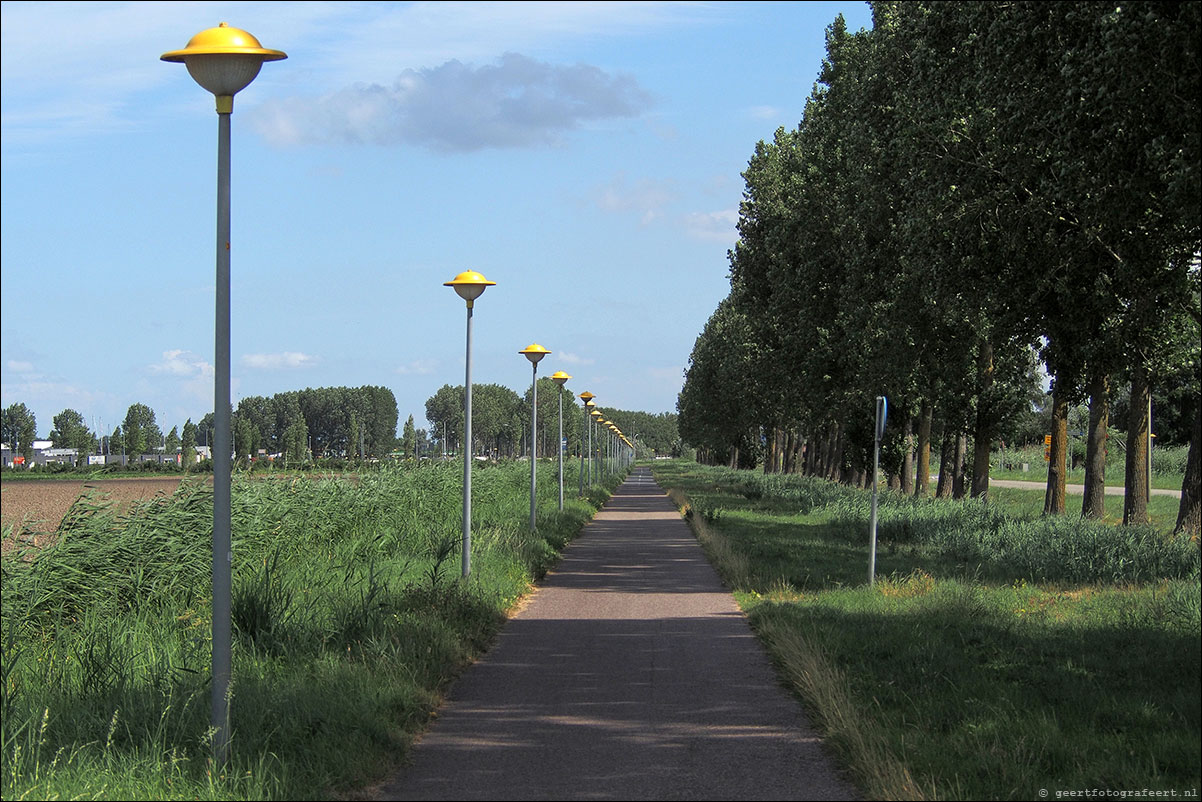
598	422
559	377
223	60
468	285
534	352
586	398
595	421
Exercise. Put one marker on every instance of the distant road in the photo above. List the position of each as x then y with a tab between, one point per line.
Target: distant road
1076	490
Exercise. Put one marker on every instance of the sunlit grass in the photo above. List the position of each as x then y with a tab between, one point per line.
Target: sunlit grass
984	663
350	617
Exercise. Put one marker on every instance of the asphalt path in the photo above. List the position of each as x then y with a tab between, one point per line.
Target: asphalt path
630	674
1078	490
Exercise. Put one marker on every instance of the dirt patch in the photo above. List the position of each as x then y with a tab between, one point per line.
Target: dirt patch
36	508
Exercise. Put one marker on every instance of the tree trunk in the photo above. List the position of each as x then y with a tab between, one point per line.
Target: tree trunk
983	436
1188	517
947	464
1093	505
959	486
1135	503
827	456
1053	499
836	473
922	481
907	468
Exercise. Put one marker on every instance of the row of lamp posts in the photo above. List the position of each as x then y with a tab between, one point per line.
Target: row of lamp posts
470	285
224	61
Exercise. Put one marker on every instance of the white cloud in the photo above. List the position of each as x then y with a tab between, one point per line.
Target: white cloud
646	197
518	102
574	359
764	112
288	360
418	367
713	226
182	363
19	366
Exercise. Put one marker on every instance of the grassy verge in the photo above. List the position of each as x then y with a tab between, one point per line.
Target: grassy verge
350	618
994	658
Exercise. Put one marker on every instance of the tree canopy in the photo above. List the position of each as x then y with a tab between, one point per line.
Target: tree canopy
971	184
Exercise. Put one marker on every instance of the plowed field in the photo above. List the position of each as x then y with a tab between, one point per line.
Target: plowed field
38	506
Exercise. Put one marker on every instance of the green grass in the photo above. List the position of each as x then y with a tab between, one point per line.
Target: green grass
996	655
350	618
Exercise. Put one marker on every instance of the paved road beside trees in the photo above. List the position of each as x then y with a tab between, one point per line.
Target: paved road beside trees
631	674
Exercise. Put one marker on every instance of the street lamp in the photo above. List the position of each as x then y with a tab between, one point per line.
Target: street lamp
534	352
559	377
586	398
594	455
468	285
223	60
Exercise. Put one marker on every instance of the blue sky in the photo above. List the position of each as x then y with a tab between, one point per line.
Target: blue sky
585	156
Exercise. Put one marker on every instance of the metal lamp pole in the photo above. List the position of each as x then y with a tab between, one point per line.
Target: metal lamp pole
587	398
223	60
882	406
534	352
560	378
469	285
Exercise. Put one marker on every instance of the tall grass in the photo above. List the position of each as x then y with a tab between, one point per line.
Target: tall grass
349	615
995	657
983	537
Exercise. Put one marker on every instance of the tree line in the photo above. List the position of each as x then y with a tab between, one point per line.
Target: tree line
299	425
501	421
974	188
351	422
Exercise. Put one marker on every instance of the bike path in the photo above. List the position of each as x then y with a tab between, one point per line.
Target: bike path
630	674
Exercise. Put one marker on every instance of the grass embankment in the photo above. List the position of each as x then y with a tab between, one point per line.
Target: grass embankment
998	656
350	617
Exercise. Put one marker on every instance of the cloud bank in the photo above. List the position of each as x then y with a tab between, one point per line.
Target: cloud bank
516	103
286	360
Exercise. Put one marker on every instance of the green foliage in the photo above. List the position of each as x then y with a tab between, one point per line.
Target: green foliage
140	432
19	429
970	182
959	674
349	615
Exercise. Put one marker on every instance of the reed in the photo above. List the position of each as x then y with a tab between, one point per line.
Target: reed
350	618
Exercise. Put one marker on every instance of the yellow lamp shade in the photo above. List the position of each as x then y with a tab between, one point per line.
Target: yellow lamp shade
534	352
223	60
469	285
559	377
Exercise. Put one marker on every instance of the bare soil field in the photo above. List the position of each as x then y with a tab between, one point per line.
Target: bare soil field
35	508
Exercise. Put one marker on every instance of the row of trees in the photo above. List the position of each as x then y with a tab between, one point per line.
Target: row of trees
137	434
345	421
973	185
327	421
501	421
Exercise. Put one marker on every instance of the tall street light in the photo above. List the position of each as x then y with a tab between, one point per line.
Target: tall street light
586	398
559	377
469	285
592	456
223	60
535	353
